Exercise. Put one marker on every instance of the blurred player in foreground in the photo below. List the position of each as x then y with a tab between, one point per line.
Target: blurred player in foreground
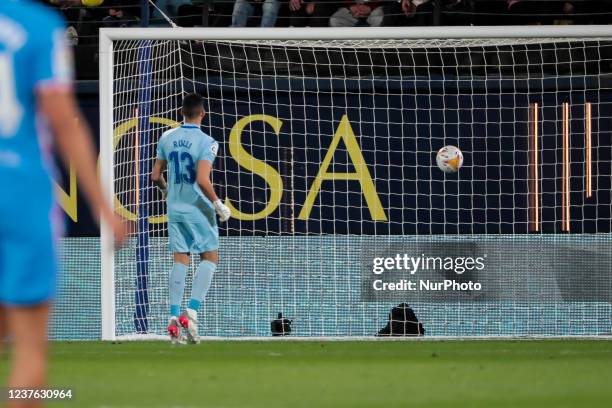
189	154
36	94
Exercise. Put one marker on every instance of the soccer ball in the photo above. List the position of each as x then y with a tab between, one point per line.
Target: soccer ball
449	159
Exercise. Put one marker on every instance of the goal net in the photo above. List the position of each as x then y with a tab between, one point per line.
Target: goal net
328	159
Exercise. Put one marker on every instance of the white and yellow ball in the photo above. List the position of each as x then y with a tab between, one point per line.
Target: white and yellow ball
449	159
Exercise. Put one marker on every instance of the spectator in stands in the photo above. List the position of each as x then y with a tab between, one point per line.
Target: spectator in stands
185	13
567	17
243	9
416	12
358	13
122	13
74	16
309	13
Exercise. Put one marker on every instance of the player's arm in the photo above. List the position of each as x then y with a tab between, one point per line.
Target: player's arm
73	141
203	180
157	176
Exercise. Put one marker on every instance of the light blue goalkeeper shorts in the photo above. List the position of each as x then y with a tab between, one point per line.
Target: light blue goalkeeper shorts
193	237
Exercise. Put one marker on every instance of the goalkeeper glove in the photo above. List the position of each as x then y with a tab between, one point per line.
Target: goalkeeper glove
164	192
223	211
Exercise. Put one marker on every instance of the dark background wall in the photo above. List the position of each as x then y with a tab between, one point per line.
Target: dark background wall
399	129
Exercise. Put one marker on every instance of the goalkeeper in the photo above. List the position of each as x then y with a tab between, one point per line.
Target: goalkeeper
189	153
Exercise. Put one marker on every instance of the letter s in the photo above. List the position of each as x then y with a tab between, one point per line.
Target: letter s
250	163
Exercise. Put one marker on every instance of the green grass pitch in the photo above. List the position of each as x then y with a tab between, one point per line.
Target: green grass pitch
294	374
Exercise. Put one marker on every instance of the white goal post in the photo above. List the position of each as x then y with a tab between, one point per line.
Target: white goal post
526	105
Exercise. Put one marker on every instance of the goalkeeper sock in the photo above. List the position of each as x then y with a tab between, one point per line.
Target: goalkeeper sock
201	283
177	287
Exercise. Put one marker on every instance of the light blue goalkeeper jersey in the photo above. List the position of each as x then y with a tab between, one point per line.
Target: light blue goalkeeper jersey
182	148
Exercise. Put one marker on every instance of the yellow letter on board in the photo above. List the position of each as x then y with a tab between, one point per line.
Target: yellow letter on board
265	171
361	174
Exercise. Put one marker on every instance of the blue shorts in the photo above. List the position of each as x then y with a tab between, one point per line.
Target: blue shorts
193	237
28	258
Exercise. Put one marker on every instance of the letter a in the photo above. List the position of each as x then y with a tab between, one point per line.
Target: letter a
361	174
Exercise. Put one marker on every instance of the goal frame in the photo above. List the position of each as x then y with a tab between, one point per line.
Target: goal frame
108	35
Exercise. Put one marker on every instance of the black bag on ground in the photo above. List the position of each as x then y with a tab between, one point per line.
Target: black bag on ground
281	326
402	322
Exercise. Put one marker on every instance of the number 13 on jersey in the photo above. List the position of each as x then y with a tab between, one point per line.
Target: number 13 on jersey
183	166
